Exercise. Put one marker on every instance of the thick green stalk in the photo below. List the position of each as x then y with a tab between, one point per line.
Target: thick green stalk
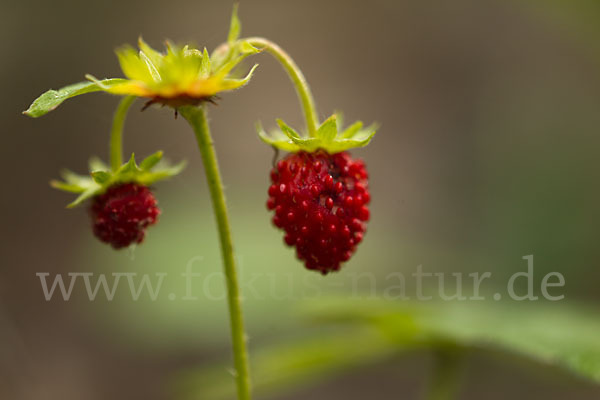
116	132
445	379
298	79
196	116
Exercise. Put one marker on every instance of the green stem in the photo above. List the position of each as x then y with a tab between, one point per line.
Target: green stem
196	116
116	132
298	79
444	383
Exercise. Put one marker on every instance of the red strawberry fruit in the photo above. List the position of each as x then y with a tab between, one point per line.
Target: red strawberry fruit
319	193
122	205
320	201
121	215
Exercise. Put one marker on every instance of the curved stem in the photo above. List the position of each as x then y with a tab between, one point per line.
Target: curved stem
196	116
116	132
298	79
445	380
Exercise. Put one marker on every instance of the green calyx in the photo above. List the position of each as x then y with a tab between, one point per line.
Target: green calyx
101	177
329	136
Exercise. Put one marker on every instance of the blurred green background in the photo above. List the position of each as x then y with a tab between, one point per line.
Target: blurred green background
487	153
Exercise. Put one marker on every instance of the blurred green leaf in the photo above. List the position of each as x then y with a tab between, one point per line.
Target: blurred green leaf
288	365
554	335
559	335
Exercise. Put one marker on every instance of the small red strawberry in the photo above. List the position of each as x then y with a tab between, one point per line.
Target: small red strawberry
121	215
319	193
320	201
122	205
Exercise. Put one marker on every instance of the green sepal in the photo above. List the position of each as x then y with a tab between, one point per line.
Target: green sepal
129	168
287	130
230	84
101	177
135	65
235	27
149	162
276	139
329	136
51	99
96	164
225	58
152	169
205	64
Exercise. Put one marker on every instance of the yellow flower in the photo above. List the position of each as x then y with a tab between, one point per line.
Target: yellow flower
182	75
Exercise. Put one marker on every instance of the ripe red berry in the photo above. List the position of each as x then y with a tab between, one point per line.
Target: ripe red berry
121	215
320	201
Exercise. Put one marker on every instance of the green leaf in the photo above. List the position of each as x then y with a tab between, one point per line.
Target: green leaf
149	162
561	335
53	98
235	27
328	129
306	360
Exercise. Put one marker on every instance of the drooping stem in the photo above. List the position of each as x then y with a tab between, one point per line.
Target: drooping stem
298	79
445	380
196	116
116	132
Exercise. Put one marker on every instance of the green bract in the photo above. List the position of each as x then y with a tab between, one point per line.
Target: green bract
180	76
329	136
101	177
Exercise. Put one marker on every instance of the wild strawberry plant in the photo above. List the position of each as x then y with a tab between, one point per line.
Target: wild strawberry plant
319	193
